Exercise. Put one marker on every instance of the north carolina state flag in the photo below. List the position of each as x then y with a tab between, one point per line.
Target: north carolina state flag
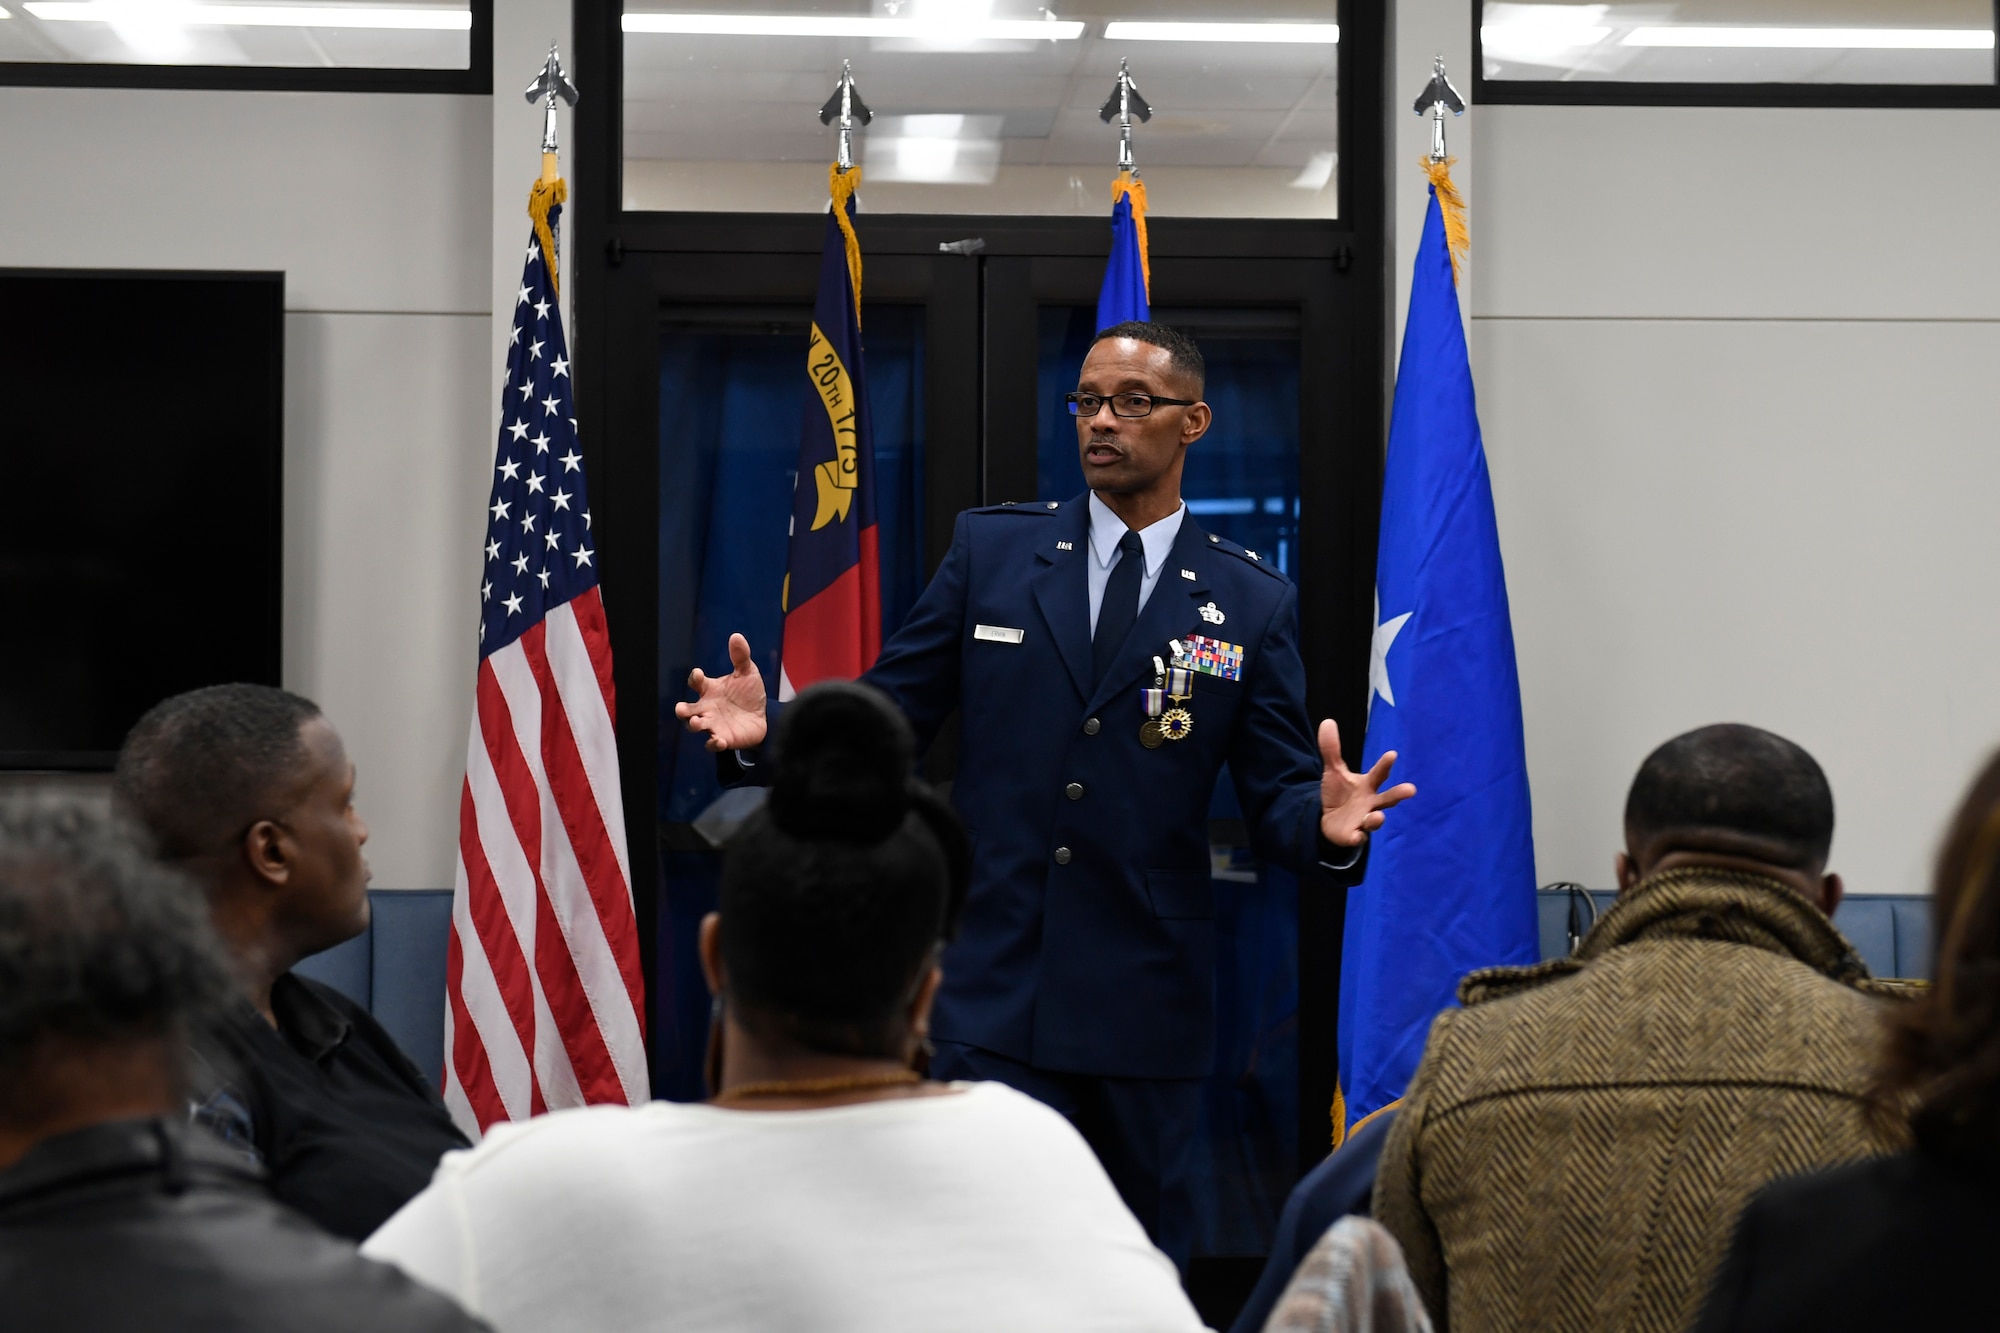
833	582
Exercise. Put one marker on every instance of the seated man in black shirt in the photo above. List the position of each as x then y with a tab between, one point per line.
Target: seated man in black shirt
114	1213
249	790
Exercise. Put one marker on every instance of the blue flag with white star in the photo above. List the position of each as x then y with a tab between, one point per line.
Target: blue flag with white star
1450	885
1124	294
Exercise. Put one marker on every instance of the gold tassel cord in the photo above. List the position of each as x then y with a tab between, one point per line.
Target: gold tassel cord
1457	236
1341	1132
1129	184
543	196
842	185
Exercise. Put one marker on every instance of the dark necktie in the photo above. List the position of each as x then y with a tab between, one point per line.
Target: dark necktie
1120	606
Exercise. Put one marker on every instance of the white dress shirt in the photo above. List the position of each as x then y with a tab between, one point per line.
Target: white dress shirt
1105	530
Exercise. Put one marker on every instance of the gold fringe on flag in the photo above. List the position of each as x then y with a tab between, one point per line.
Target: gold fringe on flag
1129	184
842	185
1457	236
544	195
1341	1133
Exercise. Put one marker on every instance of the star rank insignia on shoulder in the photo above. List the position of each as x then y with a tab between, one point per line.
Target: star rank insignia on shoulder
1247	556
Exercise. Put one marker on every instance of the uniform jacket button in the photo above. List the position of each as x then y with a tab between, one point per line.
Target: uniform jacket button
1090	727
1074	791
1062	856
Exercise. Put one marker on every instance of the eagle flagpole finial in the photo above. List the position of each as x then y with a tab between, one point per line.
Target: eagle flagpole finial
846	108
1437	98
1125	103
552	85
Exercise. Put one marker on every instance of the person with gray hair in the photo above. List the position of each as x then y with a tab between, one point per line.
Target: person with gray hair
114	1211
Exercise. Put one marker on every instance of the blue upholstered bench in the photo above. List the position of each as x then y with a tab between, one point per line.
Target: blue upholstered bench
1892	930
396	969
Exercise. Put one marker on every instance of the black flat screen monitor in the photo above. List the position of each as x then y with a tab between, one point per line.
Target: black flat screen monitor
140	555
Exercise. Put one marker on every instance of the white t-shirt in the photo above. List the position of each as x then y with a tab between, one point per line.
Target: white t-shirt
981	1209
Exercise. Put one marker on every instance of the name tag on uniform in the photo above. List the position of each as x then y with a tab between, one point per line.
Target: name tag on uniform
996	634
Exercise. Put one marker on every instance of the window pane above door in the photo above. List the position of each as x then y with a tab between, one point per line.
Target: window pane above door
982	106
1940	42
370	34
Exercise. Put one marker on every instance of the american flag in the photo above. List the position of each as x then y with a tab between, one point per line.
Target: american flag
544	1003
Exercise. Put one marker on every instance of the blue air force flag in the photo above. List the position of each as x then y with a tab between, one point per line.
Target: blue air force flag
1126	292
1450	885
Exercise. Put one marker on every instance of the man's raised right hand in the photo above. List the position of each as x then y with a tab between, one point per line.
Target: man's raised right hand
730	709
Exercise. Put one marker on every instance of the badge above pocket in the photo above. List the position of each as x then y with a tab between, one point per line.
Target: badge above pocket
997	634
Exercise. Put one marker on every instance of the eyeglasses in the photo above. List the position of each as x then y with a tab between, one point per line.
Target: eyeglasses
1122	404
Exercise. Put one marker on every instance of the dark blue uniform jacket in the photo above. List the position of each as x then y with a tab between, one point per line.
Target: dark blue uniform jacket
1088	941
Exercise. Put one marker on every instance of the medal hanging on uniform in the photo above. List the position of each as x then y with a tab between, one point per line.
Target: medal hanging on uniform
1162	724
1153	701
1177	722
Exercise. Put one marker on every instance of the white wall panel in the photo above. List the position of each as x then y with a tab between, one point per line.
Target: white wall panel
366	202
1784	524
386	461
1733	212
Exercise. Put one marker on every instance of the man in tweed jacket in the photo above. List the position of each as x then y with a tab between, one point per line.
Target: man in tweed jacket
1579	1138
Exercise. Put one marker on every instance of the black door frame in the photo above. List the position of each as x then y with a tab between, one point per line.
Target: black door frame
625	262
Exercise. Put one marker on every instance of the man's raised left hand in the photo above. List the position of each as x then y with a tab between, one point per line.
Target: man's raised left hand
1351	804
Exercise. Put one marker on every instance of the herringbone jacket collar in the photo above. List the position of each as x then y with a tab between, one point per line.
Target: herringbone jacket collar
1729	906
1580	1137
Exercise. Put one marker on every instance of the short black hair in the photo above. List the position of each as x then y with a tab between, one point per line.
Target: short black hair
836	894
1743	782
200	768
99	943
1182	354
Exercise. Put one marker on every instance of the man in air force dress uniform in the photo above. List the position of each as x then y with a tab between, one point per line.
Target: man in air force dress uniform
1107	657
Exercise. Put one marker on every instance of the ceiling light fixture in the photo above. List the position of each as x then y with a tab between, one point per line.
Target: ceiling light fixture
1129	31
1525	41
1851	39
1540	33
810	25
253	16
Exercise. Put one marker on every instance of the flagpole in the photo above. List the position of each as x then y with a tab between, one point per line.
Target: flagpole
541	1021
831	598
1437	98
1122	298
1124	103
550	86
846	107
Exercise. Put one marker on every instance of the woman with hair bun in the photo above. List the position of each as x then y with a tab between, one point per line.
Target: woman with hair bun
1902	1241
826	1184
